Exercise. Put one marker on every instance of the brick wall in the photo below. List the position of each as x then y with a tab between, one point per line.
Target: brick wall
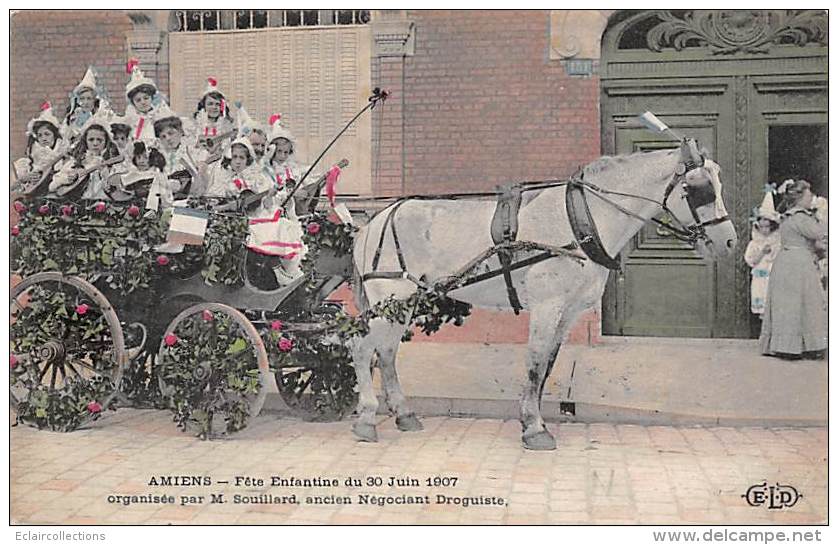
480	104
483	104
50	51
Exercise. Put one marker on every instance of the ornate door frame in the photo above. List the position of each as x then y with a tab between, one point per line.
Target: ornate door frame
732	71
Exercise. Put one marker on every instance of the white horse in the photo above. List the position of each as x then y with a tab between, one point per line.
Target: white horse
438	237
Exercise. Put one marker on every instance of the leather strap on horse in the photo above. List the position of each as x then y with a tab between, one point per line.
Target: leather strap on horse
504	230
584	226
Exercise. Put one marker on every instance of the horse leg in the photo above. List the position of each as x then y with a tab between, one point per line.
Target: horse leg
547	330
405	418
362	353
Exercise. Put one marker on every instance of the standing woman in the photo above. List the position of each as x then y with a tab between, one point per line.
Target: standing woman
794	324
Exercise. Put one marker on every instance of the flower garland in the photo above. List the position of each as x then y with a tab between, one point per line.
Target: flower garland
324	239
313	363
97	241
71	399
209	399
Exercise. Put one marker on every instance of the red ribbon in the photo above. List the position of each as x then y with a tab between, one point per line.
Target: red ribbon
331	183
139	128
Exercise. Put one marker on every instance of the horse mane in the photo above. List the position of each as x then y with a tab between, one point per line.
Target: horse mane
616	167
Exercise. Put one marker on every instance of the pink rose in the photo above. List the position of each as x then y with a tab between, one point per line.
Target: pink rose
285	345
207	316
162	260
44	209
66	210
170	339
19	207
15	231
100	207
133	210
82	309
276	325
238	183
313	228
94	407
12	361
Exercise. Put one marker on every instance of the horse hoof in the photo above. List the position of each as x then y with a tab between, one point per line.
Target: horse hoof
539	441
409	422
365	432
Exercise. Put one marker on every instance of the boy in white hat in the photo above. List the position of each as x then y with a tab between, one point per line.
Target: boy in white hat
84	102
762	250
182	162
143	102
212	123
44	147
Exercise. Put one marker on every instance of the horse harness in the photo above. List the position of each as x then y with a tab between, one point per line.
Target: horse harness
504	231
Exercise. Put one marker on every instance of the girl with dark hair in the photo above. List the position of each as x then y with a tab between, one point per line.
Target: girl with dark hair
44	147
212	122
143	103
93	148
795	320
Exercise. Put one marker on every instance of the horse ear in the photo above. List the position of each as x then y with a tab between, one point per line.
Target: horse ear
690	153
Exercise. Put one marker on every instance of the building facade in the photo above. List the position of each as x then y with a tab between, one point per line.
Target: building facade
481	98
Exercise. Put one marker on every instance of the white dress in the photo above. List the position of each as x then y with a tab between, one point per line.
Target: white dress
95	185
39	157
761	264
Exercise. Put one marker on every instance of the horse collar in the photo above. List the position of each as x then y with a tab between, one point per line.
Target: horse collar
584	227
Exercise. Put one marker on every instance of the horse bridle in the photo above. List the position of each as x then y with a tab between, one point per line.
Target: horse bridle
696	197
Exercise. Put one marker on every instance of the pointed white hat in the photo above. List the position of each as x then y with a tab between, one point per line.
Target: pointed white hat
138	79
244	122
278	130
87	82
766	209
228	153
102	117
212	87
46	115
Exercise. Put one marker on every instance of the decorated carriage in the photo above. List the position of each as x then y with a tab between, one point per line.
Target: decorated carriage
105	315
104	319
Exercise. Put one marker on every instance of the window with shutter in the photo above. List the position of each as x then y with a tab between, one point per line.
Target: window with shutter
316	77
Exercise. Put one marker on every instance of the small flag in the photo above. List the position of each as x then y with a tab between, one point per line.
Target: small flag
188	226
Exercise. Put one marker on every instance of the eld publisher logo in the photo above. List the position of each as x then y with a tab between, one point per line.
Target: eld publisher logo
776	496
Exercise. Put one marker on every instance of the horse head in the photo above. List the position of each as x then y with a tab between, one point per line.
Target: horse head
694	199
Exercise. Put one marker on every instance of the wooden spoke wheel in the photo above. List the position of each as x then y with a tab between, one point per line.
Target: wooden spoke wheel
212	370
319	386
67	351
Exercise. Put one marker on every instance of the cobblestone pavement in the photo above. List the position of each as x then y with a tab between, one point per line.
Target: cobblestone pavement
600	473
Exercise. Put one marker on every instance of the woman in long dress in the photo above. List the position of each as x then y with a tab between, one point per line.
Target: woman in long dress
795	320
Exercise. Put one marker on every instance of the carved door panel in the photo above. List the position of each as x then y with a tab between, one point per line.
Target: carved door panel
665	288
754	83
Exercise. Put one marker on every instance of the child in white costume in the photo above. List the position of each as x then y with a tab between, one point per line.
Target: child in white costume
94	146
143	104
44	147
761	252
85	102
212	119
282	165
181	161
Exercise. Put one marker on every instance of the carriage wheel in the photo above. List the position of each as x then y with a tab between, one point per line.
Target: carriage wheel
67	351
212	370
321	392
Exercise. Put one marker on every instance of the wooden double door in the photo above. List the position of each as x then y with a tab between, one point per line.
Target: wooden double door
760	112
